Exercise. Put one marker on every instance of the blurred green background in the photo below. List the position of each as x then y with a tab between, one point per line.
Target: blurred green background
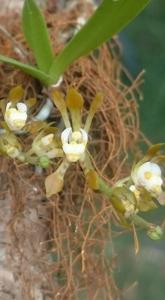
144	48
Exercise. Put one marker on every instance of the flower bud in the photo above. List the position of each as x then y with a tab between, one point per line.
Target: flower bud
44	161
156	233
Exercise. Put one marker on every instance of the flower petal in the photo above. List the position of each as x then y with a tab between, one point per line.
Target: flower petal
16	94
61	105
53	184
30	102
75	104
96	103
89	172
153	150
92	179
55	181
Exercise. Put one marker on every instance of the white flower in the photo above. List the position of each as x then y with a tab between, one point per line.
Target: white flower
74	143
16	117
148	175
46	146
74	139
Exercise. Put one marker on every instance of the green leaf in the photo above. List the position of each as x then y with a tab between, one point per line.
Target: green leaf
36	34
34	72
110	18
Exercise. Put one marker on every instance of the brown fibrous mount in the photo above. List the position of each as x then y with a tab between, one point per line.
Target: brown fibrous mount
56	247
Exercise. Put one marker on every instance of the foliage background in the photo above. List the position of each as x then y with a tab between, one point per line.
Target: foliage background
144	48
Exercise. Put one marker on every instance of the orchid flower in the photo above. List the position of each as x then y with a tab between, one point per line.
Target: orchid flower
74	138
16	117
147	179
15	109
148	176
10	146
46	147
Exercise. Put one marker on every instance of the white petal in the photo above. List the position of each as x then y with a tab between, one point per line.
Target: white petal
65	135
22	107
150	167
73	152
145	172
154	185
47	140
84	136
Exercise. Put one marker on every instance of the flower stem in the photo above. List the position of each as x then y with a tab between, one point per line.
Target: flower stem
153	231
104	187
139	221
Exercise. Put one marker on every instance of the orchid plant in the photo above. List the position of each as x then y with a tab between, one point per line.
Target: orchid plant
112	15
129	196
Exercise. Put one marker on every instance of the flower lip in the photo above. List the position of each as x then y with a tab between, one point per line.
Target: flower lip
74	152
74	143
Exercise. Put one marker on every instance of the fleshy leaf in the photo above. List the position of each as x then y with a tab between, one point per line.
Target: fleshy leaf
110	18
34	72
36	34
